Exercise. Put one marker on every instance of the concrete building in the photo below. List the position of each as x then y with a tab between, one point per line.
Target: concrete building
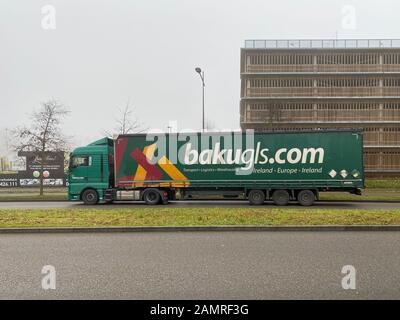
313	84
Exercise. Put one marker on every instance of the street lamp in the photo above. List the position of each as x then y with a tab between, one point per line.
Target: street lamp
201	74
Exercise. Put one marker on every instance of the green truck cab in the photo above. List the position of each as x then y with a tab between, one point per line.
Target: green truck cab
91	172
276	166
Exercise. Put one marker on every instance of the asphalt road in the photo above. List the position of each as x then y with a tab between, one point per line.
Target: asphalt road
200	204
201	265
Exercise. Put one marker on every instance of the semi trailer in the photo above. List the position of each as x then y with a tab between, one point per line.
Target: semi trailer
277	166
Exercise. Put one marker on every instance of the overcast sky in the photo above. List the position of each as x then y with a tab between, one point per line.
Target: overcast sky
102	53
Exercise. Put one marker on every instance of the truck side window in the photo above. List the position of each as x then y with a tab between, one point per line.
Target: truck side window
80	161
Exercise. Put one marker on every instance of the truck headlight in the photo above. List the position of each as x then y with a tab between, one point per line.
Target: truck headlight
355	173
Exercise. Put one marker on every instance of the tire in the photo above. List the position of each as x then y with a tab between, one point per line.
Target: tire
280	197
152	197
90	197
256	197
306	198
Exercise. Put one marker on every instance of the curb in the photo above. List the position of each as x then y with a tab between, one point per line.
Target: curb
201	229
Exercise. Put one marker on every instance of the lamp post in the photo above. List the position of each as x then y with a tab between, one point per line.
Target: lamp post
201	74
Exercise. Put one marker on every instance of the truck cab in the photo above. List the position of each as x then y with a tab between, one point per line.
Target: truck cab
91	172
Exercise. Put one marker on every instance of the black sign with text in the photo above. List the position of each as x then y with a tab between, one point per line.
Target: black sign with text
53	171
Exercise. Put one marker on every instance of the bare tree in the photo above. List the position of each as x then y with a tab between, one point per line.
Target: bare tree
44	134
126	122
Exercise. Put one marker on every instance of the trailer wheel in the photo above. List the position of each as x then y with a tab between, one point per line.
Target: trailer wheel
280	197
152	196
90	197
306	198
256	197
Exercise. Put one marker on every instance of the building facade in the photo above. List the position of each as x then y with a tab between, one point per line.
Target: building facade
317	84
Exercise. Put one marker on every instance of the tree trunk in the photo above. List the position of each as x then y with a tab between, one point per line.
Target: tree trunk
41	174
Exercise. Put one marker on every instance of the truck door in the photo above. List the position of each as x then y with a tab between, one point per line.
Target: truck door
79	168
95	171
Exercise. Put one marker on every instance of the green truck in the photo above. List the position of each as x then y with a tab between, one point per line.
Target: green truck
278	166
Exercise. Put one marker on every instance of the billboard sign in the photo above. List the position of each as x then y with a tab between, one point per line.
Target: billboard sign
31	167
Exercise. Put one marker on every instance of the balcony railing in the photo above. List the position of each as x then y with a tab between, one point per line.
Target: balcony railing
323	92
283	115
322	44
253	68
371	165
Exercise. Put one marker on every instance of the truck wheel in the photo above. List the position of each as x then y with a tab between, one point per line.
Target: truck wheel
152	197
90	197
280	197
306	198
256	197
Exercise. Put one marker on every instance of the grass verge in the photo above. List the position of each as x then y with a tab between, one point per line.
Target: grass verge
383	184
32	194
367	195
33	197
12	218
